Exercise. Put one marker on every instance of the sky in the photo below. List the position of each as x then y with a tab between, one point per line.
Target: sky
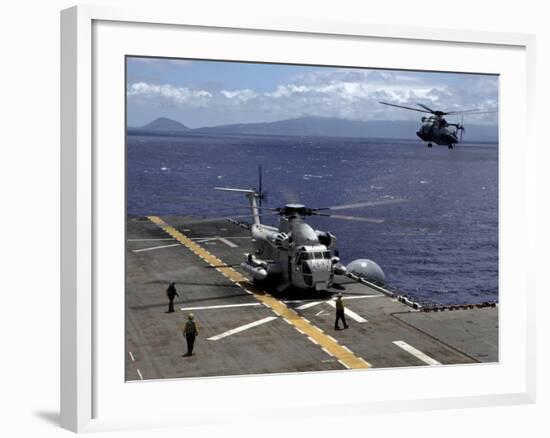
201	93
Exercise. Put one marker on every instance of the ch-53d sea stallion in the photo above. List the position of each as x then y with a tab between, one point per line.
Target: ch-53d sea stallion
295	254
436	129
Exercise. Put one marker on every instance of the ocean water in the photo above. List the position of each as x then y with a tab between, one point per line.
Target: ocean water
439	244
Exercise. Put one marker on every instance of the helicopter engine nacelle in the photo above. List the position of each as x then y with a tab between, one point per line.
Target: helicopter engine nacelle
256	271
368	270
326	238
281	240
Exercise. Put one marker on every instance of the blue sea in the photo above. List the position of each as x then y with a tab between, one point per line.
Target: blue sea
439	244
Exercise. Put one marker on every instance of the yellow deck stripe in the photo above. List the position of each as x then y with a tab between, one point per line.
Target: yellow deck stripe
341	353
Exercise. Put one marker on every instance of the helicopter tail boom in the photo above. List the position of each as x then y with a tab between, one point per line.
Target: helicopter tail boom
229	189
252	196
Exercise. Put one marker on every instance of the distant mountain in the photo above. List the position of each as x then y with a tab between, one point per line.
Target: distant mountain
320	127
163	124
323	127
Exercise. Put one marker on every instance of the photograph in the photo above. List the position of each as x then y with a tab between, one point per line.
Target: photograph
288	218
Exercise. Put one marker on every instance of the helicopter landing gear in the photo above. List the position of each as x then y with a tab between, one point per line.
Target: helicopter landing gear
450	146
430	144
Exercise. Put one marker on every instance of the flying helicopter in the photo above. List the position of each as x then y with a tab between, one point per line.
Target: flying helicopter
295	254
436	129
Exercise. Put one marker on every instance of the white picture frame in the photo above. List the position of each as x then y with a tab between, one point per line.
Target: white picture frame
92	397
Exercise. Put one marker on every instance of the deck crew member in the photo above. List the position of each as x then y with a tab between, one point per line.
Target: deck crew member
172	293
340	313
190	332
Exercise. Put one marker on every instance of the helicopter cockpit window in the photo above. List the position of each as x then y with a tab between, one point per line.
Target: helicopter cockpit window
327	254
318	255
307	256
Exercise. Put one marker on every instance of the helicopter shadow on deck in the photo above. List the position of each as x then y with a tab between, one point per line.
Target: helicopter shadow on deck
189	302
193	283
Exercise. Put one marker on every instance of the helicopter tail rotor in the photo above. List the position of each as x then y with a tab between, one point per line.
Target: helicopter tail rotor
461	128
262	196
462	132
255	197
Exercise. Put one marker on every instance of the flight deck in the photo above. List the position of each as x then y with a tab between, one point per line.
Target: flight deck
246	330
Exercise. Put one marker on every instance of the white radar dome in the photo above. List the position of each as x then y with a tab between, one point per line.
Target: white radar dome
368	270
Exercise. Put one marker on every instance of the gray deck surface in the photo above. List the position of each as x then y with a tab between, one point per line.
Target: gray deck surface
473	331
155	344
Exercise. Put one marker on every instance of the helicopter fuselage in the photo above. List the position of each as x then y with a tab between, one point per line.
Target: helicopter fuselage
438	131
293	254
435	128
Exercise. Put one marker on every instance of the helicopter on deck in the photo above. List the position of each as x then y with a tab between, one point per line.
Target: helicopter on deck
436	129
295	254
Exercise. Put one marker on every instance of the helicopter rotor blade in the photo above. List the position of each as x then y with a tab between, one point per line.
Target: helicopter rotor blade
378	221
471	112
222	205
362	204
426	108
221	218
450	113
351	218
405	107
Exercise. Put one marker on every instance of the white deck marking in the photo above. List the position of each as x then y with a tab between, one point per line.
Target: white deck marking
417	353
321	313
221	306
349	312
228	243
343	364
131	356
308	305
358	297
139	373
353	297
313	340
242	328
208	240
156	247
148	240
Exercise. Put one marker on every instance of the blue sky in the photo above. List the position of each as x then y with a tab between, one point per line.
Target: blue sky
209	93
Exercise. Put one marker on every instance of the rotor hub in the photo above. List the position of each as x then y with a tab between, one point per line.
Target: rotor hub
295	210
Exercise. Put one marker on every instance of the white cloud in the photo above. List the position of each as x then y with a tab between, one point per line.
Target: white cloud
349	93
239	95
177	95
